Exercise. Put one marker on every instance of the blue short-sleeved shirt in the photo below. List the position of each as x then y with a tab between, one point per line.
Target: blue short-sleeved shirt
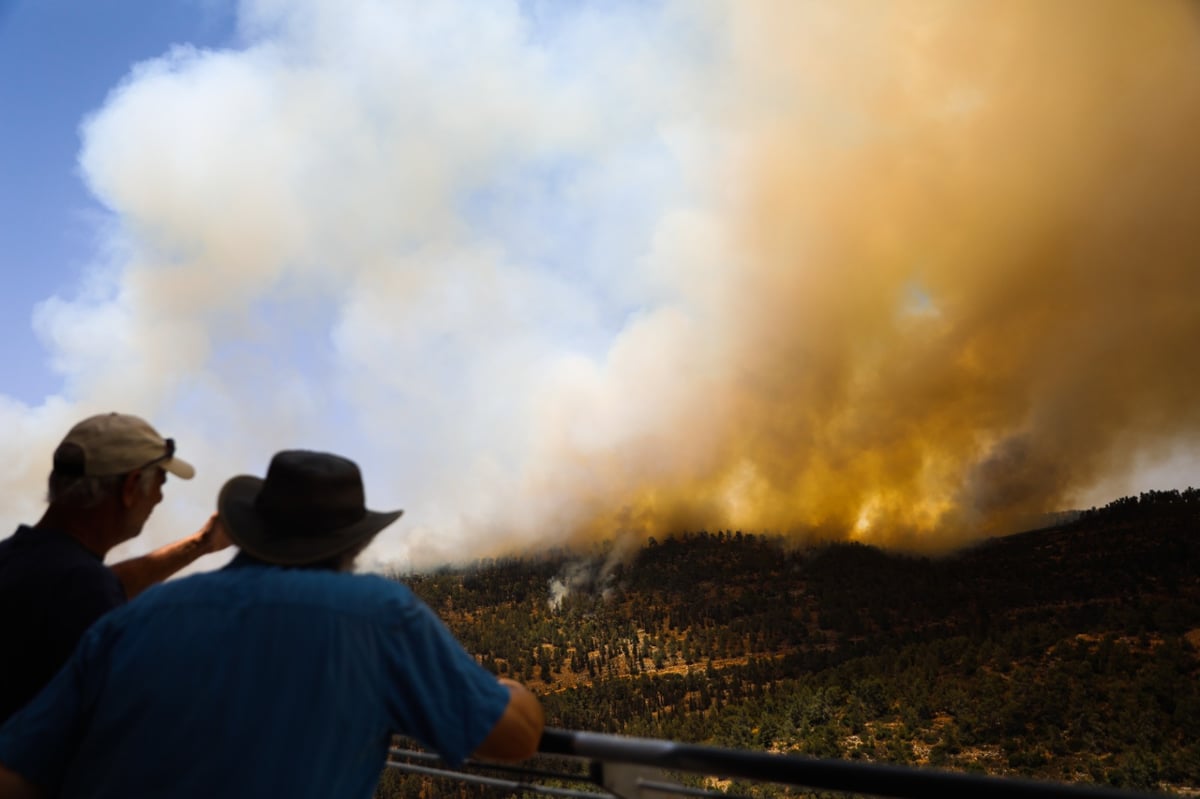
51	590
253	681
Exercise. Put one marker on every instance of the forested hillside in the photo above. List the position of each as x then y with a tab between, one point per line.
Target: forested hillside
1065	653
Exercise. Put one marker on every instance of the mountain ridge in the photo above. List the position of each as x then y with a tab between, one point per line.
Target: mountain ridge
1067	652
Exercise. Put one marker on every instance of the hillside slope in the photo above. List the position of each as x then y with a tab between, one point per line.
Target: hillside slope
1066	653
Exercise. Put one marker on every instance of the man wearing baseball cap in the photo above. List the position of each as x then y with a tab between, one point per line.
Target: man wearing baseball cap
107	477
282	674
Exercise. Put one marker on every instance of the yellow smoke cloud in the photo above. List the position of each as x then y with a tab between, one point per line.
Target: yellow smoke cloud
961	276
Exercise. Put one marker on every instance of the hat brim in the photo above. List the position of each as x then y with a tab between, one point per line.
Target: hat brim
248	531
180	468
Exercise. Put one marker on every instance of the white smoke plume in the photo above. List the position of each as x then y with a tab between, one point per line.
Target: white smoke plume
593	575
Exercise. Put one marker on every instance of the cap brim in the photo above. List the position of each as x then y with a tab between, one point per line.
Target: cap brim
180	468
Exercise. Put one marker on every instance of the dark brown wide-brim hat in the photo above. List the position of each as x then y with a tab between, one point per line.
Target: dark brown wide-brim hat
310	507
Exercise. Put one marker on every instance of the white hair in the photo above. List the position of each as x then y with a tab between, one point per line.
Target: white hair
82	493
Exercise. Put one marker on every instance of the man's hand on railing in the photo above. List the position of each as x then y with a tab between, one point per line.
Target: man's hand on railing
518	732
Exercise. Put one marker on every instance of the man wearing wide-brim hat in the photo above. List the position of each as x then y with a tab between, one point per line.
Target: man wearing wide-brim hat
108	476
281	675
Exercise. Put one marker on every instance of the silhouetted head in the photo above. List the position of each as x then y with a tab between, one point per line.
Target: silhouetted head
309	509
107	478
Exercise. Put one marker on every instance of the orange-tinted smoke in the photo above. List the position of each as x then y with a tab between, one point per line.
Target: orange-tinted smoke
964	285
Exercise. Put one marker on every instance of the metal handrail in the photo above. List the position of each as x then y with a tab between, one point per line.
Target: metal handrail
495	782
617	762
873	779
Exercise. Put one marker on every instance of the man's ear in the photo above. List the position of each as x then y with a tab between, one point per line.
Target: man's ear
130	488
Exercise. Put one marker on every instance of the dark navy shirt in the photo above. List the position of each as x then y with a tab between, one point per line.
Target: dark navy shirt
51	590
253	681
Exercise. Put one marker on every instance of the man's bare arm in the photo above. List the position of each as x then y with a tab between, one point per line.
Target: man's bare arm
519	731
138	574
14	786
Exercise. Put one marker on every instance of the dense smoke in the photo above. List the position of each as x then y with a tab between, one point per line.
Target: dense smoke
911	273
957	287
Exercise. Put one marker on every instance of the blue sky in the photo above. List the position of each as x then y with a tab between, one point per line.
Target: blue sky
548	269
58	61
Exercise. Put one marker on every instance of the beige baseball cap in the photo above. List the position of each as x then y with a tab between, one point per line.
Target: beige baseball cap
117	443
